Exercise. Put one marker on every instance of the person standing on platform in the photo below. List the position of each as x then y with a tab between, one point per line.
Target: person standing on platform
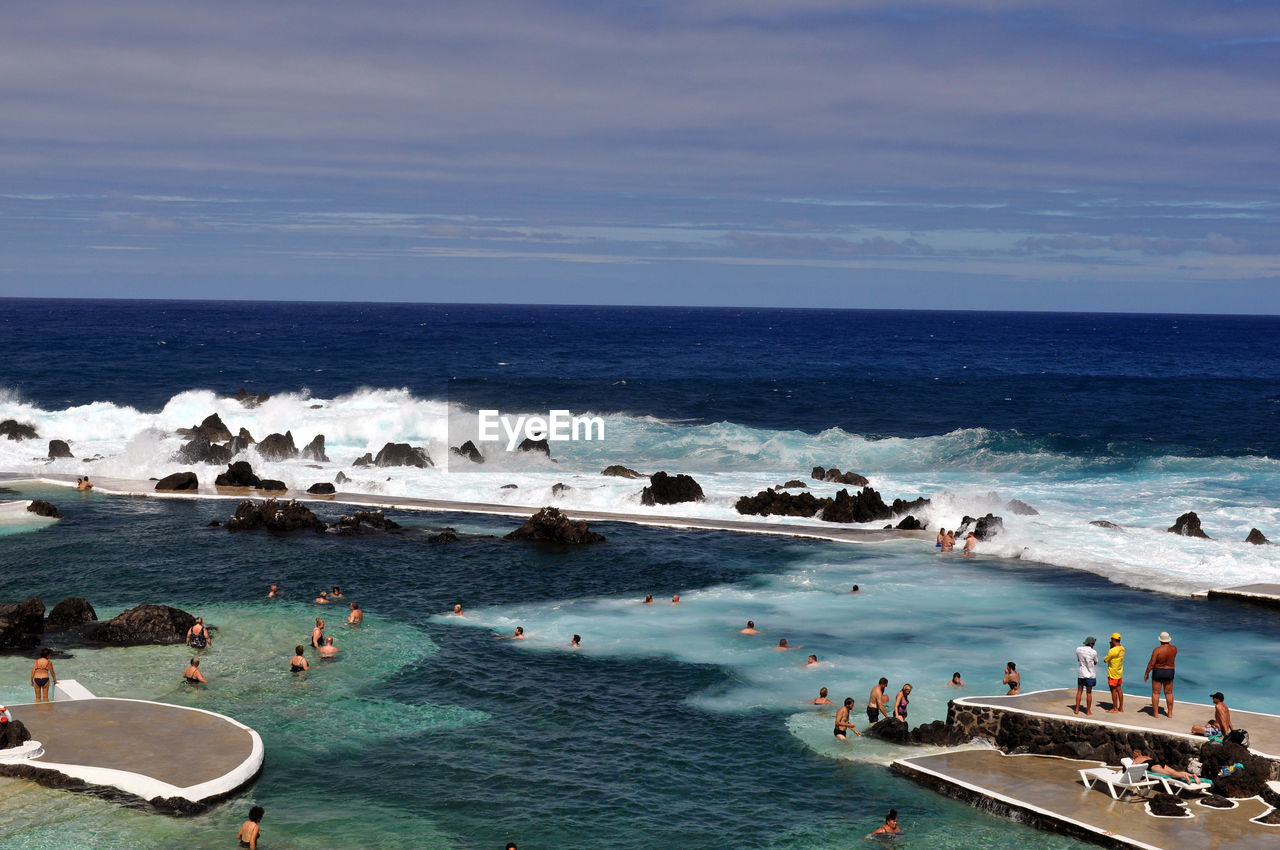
1160	672
1086	674
1115	674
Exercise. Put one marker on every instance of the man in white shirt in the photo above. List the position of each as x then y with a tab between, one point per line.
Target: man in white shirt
1086	674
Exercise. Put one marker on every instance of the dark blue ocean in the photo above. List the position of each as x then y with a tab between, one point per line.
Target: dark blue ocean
668	728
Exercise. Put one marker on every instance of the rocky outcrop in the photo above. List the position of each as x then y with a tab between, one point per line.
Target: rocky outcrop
448	535
178	481
469	451
1102	523
1188	525
891	729
15	430
867	506
278	447
531	445
271	484
238	474
240	442
322	488
144	625
58	449
1256	537
620	471
70	612
365	459
363	521
984	528
340	478
560	488
1251	781
1017	507
200	450
314	450
509	487
21	624
835	476
40	507
910	523
249	399
793	484
774	503
211	430
550	526
935	734
667	489
402	454
273	515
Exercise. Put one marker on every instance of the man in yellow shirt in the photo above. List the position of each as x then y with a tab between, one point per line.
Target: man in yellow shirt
1115	674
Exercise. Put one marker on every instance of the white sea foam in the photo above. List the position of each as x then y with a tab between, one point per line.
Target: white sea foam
960	471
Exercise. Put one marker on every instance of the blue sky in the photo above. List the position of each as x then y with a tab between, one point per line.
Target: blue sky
1016	155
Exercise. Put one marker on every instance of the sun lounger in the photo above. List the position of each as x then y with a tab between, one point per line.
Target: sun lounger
1173	785
1131	778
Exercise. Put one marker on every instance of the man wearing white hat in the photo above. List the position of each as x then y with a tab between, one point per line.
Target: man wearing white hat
1160	672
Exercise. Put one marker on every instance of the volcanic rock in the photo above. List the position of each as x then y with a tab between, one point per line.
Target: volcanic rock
531	445
15	430
1102	523
362	521
72	611
835	476
891	729
249	399
272	484
775	503
793	484
40	507
59	448
937	734
274	515
620	471
402	454
469	451
314	450
322	488
1163	805
179	481
988	527
901	507
200	450
509	487
365	459
278	447
21	624
238	474
1020	508
1256	537
211	429
1188	525
145	624
340	478
550	526
667	489
446	536
867	506
910	523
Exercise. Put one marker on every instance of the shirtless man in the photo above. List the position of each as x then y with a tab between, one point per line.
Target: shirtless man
876	700
84	483
812	662
272	591
356	617
323	598
1221	718
949	542
843	725
750	629
970	544
784	646
1160	672
328	650
519	633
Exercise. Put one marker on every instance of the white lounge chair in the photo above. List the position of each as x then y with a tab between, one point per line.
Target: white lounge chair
1130	778
1172	785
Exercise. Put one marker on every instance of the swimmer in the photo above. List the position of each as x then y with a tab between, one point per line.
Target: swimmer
843	724
942	536
949	542
675	600
84	483
970	544
335	593
854	589
956	681
457	611
783	645
298	663
1012	678
519	633
750	629
822	697
356	617
42	673
250	829
198	636
648	599
328	650
272	590
812	662
192	674
890	825
322	599
576	643
317	634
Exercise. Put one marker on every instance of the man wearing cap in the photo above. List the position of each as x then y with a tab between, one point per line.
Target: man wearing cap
1115	674
1086	673
1160	672
1221	723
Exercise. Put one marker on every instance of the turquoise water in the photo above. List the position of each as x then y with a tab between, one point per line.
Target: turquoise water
667	728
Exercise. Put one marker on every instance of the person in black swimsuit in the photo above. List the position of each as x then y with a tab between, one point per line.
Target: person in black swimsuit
192	674
298	663
250	830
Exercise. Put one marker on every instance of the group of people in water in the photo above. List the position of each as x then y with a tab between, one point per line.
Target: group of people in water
947	542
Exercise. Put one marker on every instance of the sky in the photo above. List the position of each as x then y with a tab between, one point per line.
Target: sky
1040	155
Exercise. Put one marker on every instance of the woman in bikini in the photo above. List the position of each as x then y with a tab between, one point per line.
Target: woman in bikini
198	636
192	674
42	674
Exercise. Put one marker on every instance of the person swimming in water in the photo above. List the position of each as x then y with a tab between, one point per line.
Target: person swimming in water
298	663
356	617
822	697
198	636
317	634
328	650
192	674
956	681
251	830
750	629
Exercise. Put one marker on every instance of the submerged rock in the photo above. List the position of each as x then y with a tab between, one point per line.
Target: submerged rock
273	515
21	624
1188	525
362	521
273	485
15	430
560	488
620	471
40	507
72	611
550	526
179	481
1102	523
143	625
667	489
58	449
448	535
1020	508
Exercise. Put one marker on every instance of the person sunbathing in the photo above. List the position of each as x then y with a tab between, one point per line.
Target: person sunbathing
1166	770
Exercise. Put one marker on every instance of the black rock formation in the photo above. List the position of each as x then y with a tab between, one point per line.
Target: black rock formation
72	611
984	528
19	431
910	523
469	451
1256	537
323	488
550	526
891	729
211	430
59	448
362	521
1102	523
143	625
249	399
835	476
200	450
179	481
402	454
530	445
278	447
272	485
793	484
509	487
667	489
21	624
620	471
40	507
238	474
775	503
560	488
365	459
1188	525
867	506
273	515
340	478
448	535
314	450
1020	508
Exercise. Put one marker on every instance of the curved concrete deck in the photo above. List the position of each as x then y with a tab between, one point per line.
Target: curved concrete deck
173	757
